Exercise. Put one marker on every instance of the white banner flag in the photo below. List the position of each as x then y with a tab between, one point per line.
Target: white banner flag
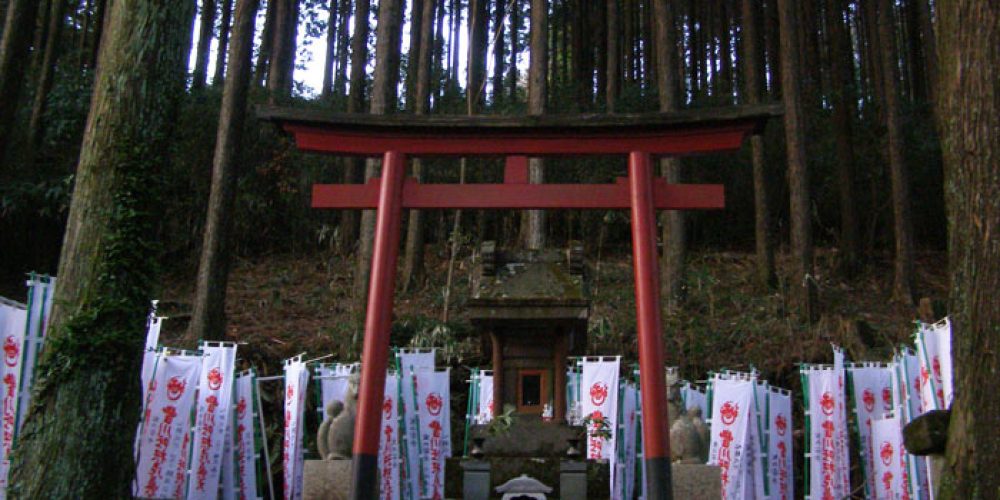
934	348
296	383
625	469
599	387
149	354
779	445
872	388
732	447
161	466
409	364
13	321
246	460
215	390
890	473
333	382
434	412
388	446
484	413
228	482
40	293
826	425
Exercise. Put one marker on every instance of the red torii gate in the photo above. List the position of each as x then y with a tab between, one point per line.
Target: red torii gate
394	137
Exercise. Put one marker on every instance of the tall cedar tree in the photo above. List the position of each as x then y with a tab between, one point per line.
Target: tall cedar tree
223	50
674	233
279	75
388	36
46	76
413	257
355	104
968	47
614	57
533	230
798	168
902	288
208	319
87	396
14	45
205	32
844	101
326	90
753	83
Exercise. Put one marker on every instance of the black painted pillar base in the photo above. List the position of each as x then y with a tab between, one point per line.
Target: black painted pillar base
364	485
659	483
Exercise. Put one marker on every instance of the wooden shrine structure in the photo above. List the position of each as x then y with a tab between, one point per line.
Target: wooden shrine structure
641	137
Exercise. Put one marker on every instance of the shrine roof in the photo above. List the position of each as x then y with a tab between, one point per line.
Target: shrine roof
689	131
570	124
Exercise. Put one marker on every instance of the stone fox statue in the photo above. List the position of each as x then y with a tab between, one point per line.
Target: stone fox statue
335	438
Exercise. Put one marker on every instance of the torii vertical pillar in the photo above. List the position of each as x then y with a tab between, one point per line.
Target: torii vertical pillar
378	320
655	435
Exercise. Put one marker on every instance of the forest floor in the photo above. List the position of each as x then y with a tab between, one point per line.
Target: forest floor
285	305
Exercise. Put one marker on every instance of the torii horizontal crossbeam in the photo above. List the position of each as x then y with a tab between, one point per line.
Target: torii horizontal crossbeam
521	196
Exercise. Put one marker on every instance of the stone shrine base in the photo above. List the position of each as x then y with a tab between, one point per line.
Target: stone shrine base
326	480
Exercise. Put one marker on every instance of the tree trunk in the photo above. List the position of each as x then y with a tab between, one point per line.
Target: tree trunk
614	57
14	52
534	229
413	256
279	75
801	281
968	100
266	43
674	233
899	174
476	79
86	399
843	101
343	40
207	27
753	83
930	54
355	104
208	319
772	42
36	130
515	50
223	50
915	58
331	52
726	56
499	14
100	8
387	46
413	58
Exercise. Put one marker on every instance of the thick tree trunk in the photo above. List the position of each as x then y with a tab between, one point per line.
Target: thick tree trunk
413	256
36	130
672	267
844	101
355	104
413	58
534	228
801	282
18	28
205	31
86	399
614	57
279	75
753	84
208	319
330	55
968	99
387	46
223	50
901	214
476	79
